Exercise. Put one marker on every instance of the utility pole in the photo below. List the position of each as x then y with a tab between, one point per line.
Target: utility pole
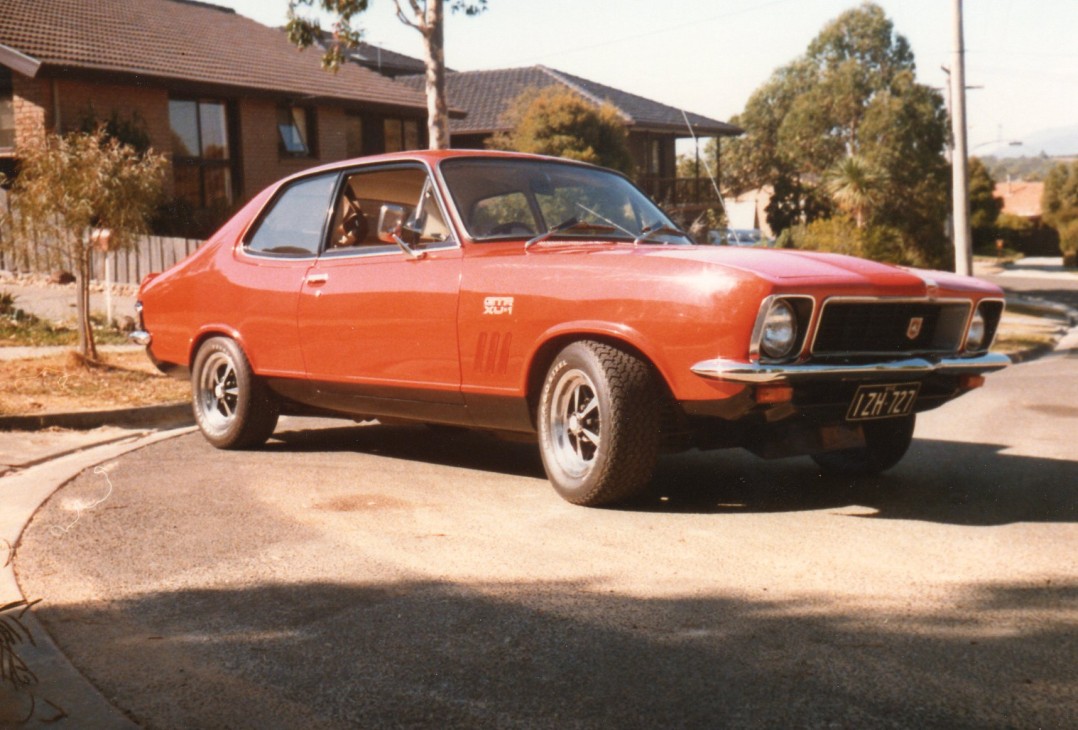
963	253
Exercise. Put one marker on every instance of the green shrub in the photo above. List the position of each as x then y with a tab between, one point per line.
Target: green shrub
840	235
833	235
1068	236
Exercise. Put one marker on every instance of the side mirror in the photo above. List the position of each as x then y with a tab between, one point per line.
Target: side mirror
390	222
392	229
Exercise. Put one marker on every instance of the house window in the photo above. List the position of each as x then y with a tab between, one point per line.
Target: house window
401	134
411	134
295	128
654	157
394	135
353	135
7	109
201	155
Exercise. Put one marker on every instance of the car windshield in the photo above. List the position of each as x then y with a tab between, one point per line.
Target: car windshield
513	198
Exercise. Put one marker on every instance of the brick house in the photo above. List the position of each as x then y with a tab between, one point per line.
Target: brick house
653	127
1021	198
232	103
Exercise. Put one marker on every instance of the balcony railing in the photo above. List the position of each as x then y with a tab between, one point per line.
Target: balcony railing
681	193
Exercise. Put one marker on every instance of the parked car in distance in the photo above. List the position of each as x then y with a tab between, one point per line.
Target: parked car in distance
524	295
737	237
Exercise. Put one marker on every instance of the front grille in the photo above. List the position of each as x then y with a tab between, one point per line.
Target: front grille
890	327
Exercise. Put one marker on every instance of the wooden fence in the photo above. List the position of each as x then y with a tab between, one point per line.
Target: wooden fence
152	253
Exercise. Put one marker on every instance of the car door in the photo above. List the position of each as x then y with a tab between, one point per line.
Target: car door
377	322
264	282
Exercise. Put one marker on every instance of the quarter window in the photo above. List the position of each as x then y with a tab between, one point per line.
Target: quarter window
294	225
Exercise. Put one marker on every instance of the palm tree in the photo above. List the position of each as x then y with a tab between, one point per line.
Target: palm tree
856	185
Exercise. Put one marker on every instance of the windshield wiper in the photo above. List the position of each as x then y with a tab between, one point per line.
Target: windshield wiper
657	229
571	225
604	219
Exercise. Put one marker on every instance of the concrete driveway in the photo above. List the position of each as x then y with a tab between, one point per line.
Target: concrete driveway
374	576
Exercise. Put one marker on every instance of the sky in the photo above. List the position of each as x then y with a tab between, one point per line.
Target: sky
708	56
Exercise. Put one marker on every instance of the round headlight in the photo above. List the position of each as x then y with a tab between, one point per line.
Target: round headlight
975	336
780	331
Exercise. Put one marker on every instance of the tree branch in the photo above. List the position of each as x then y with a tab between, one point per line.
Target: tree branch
417	10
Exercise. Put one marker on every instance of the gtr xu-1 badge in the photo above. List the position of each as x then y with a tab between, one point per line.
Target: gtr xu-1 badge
498	305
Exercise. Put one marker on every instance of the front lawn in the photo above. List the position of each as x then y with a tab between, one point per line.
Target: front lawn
65	383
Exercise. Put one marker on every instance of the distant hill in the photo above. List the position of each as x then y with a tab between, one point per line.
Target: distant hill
1056	142
1021	168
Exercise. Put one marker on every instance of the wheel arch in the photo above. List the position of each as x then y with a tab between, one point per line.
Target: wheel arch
210	331
543	356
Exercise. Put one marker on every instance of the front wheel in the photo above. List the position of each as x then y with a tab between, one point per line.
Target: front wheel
886	442
599	418
233	408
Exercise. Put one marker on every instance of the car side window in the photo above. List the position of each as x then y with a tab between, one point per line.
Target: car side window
368	199
295	222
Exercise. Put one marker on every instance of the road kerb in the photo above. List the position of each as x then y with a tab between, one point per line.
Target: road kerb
64	697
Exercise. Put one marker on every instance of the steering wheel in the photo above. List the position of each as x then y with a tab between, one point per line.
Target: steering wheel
353	227
510	228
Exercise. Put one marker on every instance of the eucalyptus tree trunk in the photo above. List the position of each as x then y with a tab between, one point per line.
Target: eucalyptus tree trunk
432	28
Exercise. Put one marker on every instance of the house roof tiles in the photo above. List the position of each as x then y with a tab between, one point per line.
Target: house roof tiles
187	41
1021	197
486	95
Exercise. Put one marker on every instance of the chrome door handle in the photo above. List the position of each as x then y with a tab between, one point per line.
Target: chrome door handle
315	279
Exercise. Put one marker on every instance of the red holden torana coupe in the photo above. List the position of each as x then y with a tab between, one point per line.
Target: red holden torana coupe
527	295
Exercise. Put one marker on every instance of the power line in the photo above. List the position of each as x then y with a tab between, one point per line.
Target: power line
651	33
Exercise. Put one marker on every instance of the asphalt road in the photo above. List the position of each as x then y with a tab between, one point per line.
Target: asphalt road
1042	277
377	576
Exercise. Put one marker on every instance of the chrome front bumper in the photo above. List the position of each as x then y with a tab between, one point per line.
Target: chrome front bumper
751	372
140	337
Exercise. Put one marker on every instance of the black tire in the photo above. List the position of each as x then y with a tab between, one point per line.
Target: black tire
886	442
232	407
599	421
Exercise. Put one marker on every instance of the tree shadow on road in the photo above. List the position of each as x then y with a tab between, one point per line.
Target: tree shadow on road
434	654
938	481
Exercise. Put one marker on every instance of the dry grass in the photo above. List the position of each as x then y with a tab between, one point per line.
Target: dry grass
65	383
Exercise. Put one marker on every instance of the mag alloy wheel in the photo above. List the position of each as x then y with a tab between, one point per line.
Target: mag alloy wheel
232	407
218	392
576	423
598	423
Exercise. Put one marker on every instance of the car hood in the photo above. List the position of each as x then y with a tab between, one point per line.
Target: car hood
787	266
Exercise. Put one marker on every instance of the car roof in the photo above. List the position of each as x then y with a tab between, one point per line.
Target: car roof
434	157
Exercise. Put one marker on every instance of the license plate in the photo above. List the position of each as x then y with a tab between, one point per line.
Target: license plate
883	401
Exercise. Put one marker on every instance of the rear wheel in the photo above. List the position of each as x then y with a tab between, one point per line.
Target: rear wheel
886	442
599	418
232	407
